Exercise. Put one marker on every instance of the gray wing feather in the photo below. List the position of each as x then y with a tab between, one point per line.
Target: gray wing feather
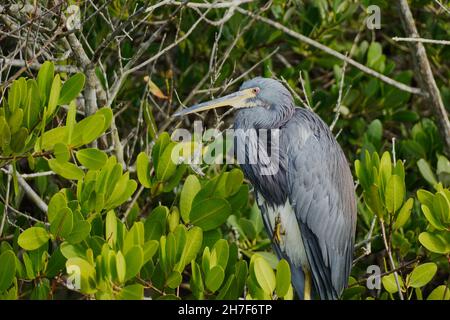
320	188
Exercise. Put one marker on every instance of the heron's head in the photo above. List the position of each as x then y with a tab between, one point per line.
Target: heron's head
259	98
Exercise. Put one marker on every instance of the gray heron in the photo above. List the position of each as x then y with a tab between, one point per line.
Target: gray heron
308	204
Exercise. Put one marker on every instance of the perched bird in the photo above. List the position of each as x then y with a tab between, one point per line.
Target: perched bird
308	201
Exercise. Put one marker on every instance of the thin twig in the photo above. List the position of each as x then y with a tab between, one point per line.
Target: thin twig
442	6
422	40
29	191
391	259
5	209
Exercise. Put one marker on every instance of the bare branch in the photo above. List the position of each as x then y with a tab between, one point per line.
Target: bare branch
422	40
37	66
425	74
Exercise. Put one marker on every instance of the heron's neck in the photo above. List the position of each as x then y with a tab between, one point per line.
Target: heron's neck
262	118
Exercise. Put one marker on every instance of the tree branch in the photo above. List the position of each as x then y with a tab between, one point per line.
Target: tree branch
425	74
332	52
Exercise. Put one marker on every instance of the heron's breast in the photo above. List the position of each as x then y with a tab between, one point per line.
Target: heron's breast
285	231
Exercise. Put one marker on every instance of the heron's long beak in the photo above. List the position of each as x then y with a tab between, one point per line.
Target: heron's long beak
235	100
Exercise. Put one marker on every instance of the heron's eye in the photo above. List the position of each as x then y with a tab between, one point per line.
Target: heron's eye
255	90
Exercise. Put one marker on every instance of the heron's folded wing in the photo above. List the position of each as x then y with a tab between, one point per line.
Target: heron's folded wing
320	188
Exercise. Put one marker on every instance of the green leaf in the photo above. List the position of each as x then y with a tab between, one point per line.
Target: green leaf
123	190
131	292
18	140
375	131
426	172
210	213
221	251
241	272
234	181
264	275
55	263
194	239
443	170
7	269
71	88
150	247
422	274
395	193
44	81
190	188
158	148
66	170
15	120
32	105
70	251
143	169
71	121
170	251
57	202
121	267
61	152
270	258
134	259
248	228
404	214
229	290
80	231
5	133
150	121
89	129
425	197
433	243
174	279
30	274
166	167
173	219
14	96
155	225
283	278
374	53
175	179
441	292
92	128
399	169
441	207
432	217
54	95
111	228
134	237
214	278
240	198
33	238
373	200
389	283
92	158
62	223
196	280
52	137
107	115
385	169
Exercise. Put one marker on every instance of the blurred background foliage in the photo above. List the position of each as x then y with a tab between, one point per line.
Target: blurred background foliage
91	205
